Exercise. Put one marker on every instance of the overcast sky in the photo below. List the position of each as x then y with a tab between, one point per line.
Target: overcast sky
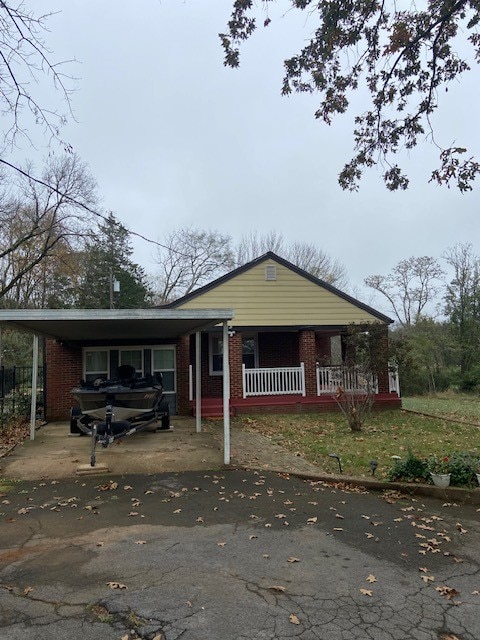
174	138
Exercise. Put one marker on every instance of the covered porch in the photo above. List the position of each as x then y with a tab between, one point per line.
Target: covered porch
300	382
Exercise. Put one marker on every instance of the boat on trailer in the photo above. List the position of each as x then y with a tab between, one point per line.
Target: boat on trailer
112	409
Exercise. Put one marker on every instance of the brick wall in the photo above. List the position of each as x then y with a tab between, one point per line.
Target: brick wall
183	361
278	349
235	358
308	355
64	372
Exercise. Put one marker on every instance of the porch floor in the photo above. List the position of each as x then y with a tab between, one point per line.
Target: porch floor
213	407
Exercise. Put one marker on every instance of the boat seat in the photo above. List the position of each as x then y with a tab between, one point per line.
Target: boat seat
126	372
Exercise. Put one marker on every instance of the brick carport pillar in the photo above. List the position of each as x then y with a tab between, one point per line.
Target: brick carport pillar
307	354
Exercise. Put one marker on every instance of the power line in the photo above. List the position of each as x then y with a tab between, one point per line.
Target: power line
87	208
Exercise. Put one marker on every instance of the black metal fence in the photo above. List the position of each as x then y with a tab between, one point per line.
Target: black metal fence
16	392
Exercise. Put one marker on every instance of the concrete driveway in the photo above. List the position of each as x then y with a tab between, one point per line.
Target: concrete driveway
241	555
54	454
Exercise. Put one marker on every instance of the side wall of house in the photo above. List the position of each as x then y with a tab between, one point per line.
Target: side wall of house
64	372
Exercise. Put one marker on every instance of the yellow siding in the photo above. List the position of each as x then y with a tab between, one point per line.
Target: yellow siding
287	301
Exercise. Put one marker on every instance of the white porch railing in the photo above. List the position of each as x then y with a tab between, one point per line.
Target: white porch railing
329	379
273	381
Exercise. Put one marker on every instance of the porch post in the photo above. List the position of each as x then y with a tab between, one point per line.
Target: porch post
226	396
33	407
382	360
198	383
307	353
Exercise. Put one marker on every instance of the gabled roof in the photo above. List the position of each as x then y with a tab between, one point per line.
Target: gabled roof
301	272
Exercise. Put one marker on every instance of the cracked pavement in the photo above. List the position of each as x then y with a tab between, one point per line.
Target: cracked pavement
233	554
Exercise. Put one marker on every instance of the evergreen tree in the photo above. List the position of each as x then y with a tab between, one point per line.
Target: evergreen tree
108	258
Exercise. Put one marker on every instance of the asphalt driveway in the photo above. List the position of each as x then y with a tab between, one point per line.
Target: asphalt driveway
233	555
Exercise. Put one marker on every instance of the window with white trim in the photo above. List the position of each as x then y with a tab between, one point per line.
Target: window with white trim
96	364
249	351
132	357
163	361
215	354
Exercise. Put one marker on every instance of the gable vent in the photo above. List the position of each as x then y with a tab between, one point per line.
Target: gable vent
270	272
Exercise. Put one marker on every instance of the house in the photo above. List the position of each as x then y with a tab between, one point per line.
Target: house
287	342
285	330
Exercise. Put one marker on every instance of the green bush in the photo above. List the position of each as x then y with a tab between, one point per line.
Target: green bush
412	469
470	381
463	467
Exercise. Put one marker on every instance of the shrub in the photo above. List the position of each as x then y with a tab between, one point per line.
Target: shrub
412	469
463	466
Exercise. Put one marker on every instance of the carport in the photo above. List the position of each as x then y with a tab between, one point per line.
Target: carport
82	326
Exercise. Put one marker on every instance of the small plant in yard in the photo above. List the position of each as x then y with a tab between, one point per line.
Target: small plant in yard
410	469
463	468
439	464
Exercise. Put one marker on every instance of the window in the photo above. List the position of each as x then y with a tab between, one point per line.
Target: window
96	364
163	361
133	357
215	354
249	351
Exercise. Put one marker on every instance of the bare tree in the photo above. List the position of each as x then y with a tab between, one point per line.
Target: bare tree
189	259
410	286
25	67
253	245
305	255
40	224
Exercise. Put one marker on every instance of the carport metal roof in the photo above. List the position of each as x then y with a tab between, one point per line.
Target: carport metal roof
85	325
96	325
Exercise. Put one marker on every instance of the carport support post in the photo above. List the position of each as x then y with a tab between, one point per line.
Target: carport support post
33	407
198	383
226	396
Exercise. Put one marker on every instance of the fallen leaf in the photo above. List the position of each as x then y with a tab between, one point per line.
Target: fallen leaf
200	519
277	587
293	619
177	511
337	529
428	579
221	544
371	578
132	514
116	585
140	542
293	559
27	590
366	592
312	520
449	592
369	535
252	537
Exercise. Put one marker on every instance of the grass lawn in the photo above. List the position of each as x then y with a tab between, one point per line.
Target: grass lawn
456	406
386	434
